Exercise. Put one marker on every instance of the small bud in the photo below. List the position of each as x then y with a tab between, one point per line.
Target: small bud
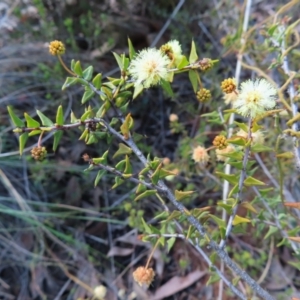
38	153
100	292
57	48
200	155
166	161
203	95
173	118
143	276
220	142
228	85
18	130
205	64
86	157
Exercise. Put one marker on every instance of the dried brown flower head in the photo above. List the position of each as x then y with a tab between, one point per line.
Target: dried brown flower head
143	275
200	155
173	118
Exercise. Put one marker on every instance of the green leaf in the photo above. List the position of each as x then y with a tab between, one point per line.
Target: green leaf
73	118
193	55
213	279
237	164
234	190
237	140
233	179
100	174
57	136
72	64
22	142
92	139
183	62
125	62
31	123
34	132
179	195
16	120
147	228
194	80
128	167
260	148
88	73
140	188
170	243
272	29
242	126
102	159
78	69
119	60
295	264
84	134
131	49
250	181
174	215
123	150
272	230
97	81
69	82
60	116
122	97
221	223
88	94
118	181
137	90
249	206
167	88
226	206
147	193
45	120
86	115
236	280
238	220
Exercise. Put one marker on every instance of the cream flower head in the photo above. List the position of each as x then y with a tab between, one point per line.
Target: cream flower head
200	155
257	136
255	98
173	50
227	150
230	98
176	48
149	67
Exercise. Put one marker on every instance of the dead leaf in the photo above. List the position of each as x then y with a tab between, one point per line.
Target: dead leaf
177	284
132	238
291	204
295	239
118	251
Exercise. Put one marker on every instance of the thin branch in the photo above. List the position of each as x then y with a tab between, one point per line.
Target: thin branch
240	190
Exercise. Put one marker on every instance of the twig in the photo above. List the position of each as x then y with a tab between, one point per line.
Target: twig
240	189
231	119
